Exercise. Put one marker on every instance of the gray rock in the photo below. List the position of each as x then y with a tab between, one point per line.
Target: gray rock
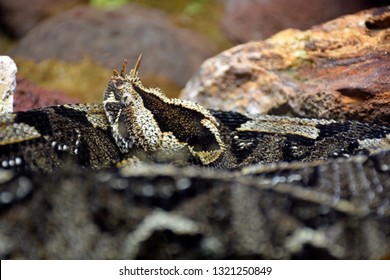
19	16
109	37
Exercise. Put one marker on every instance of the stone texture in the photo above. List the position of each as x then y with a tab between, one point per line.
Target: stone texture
108	37
339	69
17	17
258	19
29	96
8	71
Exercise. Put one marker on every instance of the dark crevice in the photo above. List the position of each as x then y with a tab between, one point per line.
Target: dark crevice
357	94
380	19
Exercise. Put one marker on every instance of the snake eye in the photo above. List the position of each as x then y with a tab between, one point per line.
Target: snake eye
126	98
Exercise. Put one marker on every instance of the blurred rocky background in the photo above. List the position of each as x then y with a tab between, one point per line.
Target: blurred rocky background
71	46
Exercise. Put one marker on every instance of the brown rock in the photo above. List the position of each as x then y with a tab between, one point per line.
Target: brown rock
28	96
258	19
339	69
110	36
17	17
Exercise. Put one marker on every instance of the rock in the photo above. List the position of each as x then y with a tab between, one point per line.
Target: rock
29	96
85	80
16	19
258	19
108	37
339	69
26	95
8	71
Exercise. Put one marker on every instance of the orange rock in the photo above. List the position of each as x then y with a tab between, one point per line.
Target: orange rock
340	69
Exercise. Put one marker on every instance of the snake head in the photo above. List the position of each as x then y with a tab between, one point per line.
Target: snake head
146	119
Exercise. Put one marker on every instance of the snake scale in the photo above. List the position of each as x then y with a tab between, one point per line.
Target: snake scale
146	176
